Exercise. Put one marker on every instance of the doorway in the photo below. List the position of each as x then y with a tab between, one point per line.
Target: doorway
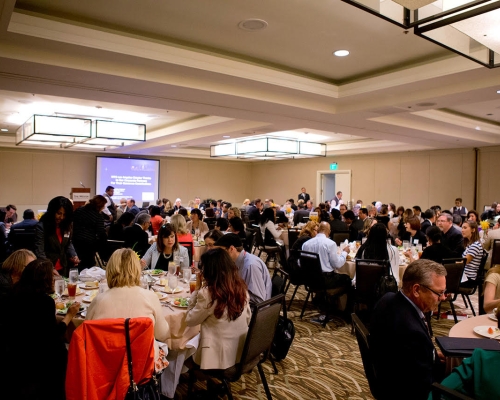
328	183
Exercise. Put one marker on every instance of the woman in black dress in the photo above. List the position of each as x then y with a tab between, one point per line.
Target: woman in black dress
34	354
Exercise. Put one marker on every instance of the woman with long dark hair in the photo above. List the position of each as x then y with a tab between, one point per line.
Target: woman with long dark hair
221	306
53	235
270	234
473	252
36	342
376	248
89	235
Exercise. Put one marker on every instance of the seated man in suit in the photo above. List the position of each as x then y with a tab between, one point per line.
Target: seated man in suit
135	235
405	359
254	211
299	215
336	223
452	236
131	207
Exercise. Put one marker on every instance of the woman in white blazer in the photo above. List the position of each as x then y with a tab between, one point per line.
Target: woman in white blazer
165	249
222	308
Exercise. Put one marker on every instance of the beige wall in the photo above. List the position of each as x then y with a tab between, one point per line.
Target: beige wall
30	178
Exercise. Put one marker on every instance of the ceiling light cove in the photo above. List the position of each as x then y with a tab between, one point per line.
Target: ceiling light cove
252	24
341	53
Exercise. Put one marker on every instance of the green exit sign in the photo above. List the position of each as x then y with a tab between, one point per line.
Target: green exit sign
333	166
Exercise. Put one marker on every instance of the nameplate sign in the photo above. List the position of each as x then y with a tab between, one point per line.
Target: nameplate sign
81	197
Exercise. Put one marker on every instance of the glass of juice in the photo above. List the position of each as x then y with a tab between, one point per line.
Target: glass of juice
192	285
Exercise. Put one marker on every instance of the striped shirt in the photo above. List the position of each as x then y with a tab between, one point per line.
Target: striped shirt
476	251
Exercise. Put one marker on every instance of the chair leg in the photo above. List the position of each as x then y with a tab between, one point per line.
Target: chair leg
264	382
227	384
465	302
470	304
287	287
191	381
293	296
453	312
271	358
305	304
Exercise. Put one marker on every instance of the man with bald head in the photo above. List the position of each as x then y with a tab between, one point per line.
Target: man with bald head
330	260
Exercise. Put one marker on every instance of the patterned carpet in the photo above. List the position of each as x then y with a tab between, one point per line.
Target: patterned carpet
323	363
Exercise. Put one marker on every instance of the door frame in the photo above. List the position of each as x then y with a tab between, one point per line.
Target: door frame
319	197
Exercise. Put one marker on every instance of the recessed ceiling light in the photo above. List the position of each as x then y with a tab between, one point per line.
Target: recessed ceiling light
4	130
226	136
174	145
252	24
341	53
478	128
498	91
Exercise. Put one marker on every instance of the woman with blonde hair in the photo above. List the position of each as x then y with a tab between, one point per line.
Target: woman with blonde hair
12	269
233	212
125	298
179	225
367	224
308	232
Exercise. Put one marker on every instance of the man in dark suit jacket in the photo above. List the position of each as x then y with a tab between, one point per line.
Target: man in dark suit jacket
429	217
405	359
132	207
303	195
254	211
135	235
336	224
452	236
299	215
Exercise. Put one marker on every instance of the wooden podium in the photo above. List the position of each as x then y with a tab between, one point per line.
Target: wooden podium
79	196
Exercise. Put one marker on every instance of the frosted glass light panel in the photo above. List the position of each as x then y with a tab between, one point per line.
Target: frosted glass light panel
118	131
56	130
223	150
312	149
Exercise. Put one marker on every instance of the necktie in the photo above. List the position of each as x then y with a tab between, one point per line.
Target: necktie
426	325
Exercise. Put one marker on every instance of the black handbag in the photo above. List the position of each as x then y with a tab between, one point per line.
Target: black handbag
283	337
149	390
386	283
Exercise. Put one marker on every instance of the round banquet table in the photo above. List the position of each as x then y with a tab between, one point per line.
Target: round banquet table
464	329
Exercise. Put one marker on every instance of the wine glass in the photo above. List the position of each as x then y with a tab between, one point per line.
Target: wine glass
172	283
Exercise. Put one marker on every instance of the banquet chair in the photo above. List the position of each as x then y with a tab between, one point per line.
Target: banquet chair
466	292
454	272
210	221
189	248
96	367
439	392
339	237
255	350
293	235
270	251
250	239
363	338
109	248
368	274
20	238
294	273
312	274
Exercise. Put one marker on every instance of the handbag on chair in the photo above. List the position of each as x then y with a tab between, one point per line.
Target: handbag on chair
149	390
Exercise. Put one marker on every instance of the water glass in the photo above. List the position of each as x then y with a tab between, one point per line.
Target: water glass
59	286
172	283
171	268
406	245
73	275
186	274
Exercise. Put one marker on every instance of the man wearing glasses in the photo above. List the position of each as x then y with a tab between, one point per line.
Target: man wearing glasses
405	359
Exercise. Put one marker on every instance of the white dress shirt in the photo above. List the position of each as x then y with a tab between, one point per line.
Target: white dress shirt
327	250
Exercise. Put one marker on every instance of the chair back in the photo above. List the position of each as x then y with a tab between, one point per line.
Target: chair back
189	248
495	253
293	235
109	248
368	274
250	239
339	237
211	221
97	361
454	272
363	337
20	238
480	282
259	242
311	272
260	334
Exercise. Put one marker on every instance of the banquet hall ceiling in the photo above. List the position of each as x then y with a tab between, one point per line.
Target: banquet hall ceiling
193	76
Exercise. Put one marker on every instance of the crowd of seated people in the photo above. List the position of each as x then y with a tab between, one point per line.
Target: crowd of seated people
68	238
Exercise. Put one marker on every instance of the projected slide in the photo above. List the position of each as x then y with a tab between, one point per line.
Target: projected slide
132	178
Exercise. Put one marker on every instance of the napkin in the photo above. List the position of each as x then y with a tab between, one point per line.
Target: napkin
94	273
344	244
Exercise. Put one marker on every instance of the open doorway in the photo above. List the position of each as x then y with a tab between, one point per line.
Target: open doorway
328	183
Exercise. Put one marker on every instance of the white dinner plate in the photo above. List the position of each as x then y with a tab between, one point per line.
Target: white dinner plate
172	302
87	299
84	314
483	331
168	290
492	316
84	286
161	296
